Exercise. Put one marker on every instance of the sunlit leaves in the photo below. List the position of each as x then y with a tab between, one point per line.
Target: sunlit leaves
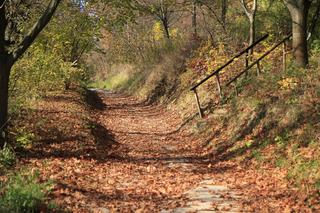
55	57
157	30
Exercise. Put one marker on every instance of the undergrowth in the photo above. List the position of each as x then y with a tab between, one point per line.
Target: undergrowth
7	158
287	135
23	192
274	120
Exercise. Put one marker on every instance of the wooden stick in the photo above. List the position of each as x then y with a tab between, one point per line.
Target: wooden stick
198	103
247	60
219	85
258	68
284	57
236	88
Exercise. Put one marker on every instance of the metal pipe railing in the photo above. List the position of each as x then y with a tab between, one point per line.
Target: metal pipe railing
230	61
260	58
248	67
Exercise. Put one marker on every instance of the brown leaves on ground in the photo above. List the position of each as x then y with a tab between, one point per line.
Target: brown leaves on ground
129	157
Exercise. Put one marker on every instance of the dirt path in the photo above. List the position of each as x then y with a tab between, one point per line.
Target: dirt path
138	161
120	155
164	163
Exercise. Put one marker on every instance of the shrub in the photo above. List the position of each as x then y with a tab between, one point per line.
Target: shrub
24	193
7	157
24	139
315	46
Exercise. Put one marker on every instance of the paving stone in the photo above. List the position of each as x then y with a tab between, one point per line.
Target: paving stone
216	188
100	210
201	199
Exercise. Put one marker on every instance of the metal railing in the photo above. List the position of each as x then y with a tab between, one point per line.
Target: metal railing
230	61
248	67
256	62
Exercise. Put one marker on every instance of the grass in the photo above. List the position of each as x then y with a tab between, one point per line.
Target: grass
114	82
7	158
287	136
24	193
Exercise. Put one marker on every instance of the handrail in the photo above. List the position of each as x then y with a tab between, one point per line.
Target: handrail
229	62
259	59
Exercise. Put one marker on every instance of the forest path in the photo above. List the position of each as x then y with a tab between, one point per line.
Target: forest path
121	155
168	165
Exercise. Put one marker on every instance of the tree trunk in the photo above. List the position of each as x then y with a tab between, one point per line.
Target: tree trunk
7	60
299	42
4	96
67	84
252	33
251	14
194	19
167	32
224	9
299	14
166	29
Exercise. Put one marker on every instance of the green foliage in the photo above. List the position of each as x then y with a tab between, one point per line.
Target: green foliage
273	18
7	157
281	162
54	61
305	173
36	74
249	143
113	82
315	46
24	139
256	154
281	141
24	193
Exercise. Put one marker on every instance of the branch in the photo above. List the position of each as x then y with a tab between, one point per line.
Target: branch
291	4
255	6
3	3
246	10
215	16
35	30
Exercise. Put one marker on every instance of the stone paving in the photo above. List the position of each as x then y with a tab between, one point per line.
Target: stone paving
207	198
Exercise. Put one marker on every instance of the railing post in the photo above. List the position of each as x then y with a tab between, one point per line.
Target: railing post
198	103
219	85
284	57
236	87
258	68
247	59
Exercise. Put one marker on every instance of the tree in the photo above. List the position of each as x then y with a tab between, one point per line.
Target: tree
212	11
224	10
315	19
73	33
162	10
11	51
194	18
165	11
250	13
299	14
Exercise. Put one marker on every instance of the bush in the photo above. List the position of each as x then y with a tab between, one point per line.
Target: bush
24	193
24	139
315	46
7	157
